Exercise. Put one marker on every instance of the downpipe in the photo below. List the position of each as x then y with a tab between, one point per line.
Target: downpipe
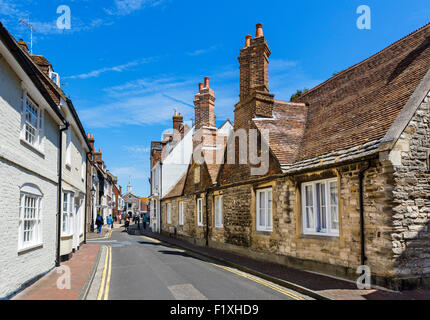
60	186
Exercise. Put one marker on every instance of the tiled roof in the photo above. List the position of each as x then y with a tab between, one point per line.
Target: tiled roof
178	189
286	129
360	104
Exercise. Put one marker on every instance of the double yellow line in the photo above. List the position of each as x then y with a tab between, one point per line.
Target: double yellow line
106	275
261	281
243	274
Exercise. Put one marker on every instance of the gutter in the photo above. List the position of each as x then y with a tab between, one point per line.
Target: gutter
60	178
361	196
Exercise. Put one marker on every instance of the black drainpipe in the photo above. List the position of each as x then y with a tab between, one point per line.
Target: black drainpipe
60	177
160	197
207	219
360	181
86	198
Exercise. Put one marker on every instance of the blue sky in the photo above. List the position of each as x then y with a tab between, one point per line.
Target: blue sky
126	64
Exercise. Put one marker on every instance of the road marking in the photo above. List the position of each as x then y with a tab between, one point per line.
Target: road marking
151	239
260	281
109	275
245	275
102	285
186	292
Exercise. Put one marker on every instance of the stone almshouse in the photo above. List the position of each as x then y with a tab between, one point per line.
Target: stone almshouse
348	181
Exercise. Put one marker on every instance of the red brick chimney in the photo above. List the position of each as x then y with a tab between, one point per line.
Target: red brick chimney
205	106
255	98
178	126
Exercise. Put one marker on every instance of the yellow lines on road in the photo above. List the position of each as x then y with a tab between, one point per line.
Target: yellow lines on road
106	275
261	281
151	239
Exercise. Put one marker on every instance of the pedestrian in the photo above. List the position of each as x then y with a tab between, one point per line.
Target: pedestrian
127	223
109	221
145	221
123	217
137	221
99	223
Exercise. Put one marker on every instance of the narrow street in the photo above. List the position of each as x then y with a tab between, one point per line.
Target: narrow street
141	268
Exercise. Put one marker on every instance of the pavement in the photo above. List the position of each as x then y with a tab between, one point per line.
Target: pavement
70	281
136	267
318	286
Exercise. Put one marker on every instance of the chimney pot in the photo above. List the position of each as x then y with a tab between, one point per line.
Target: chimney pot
207	82
259	32
248	41
200	86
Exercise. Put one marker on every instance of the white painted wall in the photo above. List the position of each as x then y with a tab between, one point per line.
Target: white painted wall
19	165
176	163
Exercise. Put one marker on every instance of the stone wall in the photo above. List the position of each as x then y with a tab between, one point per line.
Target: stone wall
411	216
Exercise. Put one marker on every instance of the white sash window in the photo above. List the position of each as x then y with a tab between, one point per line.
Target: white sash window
218	212
169	213
67	216
32	123
264	210
320	208
200	212
181	213
30	222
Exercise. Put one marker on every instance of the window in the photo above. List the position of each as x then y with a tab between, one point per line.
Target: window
320	208
83	169
30	228
32	122
181	213
218	211
197	175
67	218
200	212
169	213
264	210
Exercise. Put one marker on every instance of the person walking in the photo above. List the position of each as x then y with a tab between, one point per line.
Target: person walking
145	221
110	221
137	221
99	223
127	223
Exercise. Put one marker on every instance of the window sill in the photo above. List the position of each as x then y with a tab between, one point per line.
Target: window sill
33	148
30	248
264	231
219	227
320	236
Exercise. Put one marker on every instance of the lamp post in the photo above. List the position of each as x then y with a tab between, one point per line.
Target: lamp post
93	193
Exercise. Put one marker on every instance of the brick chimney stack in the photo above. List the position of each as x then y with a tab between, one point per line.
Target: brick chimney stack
205	106
255	98
178	126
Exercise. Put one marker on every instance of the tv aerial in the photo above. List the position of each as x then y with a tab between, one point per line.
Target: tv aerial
32	29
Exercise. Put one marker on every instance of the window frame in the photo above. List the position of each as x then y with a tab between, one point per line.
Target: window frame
37	142
266	227
200	212
169	213
317	228
219	211
181	213
36	231
67	226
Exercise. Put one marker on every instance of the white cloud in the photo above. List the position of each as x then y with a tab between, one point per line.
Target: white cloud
119	68
125	7
201	51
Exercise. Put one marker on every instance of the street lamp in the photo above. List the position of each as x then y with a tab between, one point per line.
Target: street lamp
93	193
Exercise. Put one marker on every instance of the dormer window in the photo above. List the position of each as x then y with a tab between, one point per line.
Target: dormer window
54	77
